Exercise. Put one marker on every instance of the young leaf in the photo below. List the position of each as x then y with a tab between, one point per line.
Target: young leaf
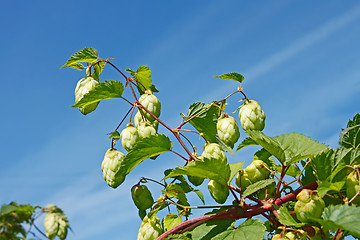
78	66
257	186
207	168
344	216
350	136
232	76
89	55
170	221
235	168
286	219
97	69
115	135
245	143
146	148
250	229
105	90
200	195
175	190
143	78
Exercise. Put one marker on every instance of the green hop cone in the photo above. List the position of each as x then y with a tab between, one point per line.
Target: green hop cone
55	222
110	167
242	180
138	119
51	225
145	130
218	191
196	181
305	205
252	117
84	86
214	151
352	186
278	237
150	228
151	103
129	136
142	197
228	130
257	170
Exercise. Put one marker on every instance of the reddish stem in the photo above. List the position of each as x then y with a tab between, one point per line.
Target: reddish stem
235	213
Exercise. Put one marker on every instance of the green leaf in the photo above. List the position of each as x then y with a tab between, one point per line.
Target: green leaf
200	195
288	148
323	164
170	221
257	186
143	78
350	136
325	187
342	216
206	168
292	171
146	148
245	143
78	66
6	208
251	229
175	190
266	157
204	119
89	55
211	229
268	143
97	69
232	76
129	70
286	219
105	90
115	135
235	168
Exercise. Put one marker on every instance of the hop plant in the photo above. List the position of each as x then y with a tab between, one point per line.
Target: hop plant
142	197
145	129
150	228
308	203
252	117
129	137
214	151
55	222
84	86
218	191
228	130
110	167
138	119
152	103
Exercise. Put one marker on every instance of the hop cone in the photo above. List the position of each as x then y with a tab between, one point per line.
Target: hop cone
129	137
110	167
138	119
142	197
308	203
55	222
252	117
213	151
152	103
84	86
145	129
228	130
150	228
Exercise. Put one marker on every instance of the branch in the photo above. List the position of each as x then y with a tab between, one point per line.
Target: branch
234	213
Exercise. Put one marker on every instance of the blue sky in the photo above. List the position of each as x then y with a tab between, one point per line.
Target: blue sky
301	62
